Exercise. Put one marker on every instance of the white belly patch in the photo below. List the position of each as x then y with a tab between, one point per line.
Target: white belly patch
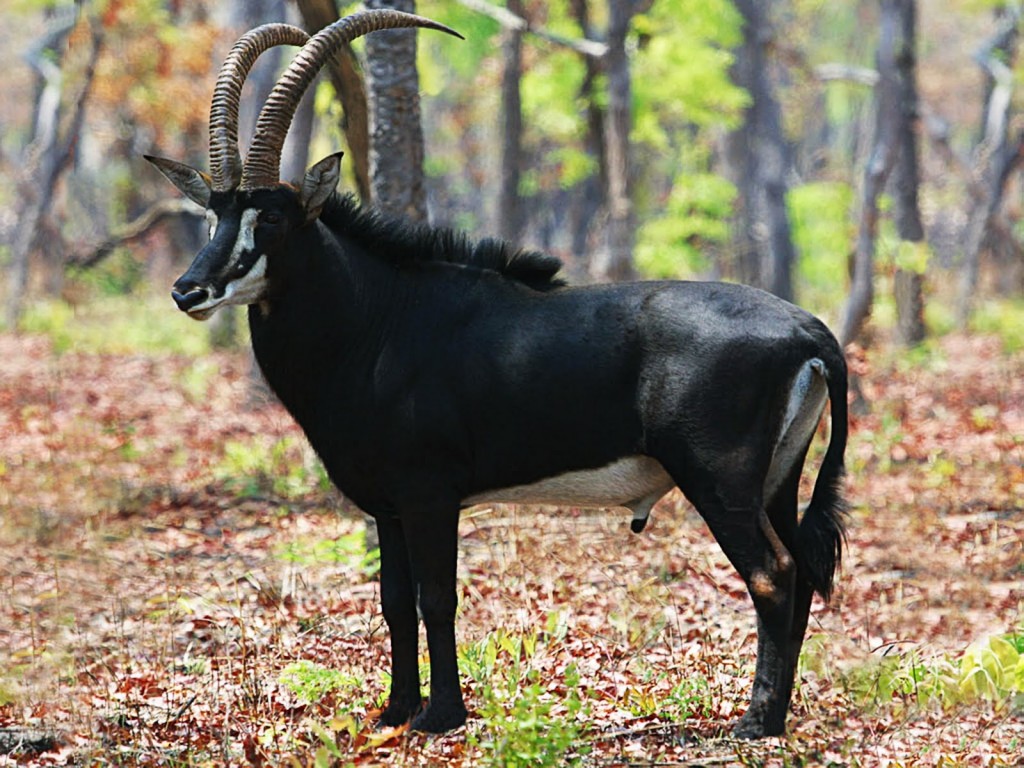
635	482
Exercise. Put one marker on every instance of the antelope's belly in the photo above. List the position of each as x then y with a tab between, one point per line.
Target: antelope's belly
624	483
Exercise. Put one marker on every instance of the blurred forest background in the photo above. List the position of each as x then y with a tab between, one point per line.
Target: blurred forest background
843	154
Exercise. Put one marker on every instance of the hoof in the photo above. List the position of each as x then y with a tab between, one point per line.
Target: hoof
398	713
753	727
439	720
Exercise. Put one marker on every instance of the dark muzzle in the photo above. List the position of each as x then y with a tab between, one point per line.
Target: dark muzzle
187	297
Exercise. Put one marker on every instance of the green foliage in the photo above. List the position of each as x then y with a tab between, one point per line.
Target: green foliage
681	73
695	216
311	682
681	81
349	549
439	57
116	325
823	230
823	235
991	669
285	468
574	165
912	257
1004	317
906	678
527	731
690	697
120	273
525	723
551	98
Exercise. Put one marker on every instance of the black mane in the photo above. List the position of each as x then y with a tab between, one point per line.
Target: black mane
410	242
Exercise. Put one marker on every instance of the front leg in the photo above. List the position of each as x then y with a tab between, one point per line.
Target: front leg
398	603
431	535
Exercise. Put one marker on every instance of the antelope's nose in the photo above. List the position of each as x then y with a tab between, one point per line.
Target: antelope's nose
188	297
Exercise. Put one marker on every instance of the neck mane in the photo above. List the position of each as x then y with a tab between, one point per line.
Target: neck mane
405	242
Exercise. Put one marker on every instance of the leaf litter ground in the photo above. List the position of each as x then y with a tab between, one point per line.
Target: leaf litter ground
170	556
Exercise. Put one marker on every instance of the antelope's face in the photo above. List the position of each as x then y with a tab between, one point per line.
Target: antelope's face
245	230
248	230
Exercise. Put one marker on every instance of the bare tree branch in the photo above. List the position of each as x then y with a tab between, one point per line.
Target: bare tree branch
511	21
847	72
135	229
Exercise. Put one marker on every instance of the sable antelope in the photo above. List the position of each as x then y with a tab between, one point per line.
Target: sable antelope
431	373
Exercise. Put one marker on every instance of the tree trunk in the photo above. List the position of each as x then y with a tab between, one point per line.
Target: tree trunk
759	158
615	261
509	203
885	147
396	150
295	154
343	69
908	280
589	197
48	157
1001	155
510	216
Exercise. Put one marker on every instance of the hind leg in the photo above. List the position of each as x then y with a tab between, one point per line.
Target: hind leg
782	514
735	513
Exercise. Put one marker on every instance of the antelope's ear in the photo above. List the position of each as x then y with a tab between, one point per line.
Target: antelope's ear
318	184
196	185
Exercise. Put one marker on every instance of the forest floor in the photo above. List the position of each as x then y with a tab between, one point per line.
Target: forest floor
180	586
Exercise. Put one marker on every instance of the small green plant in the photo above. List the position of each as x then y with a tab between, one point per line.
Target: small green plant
311	682
523	723
532	728
991	669
691	697
903	677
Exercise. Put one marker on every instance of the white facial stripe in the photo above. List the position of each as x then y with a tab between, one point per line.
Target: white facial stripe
211	222
246	239
249	287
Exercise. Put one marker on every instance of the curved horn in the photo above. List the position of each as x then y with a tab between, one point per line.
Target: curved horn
225	160
262	166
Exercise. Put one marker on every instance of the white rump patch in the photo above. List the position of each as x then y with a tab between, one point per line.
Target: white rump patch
807	396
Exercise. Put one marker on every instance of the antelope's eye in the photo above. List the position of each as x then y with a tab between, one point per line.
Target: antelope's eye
270	217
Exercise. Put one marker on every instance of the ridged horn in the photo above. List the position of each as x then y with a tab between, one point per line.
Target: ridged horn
262	165
225	160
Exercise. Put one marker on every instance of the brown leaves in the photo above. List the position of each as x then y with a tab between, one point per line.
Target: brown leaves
150	606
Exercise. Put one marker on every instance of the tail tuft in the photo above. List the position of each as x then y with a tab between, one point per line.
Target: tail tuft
822	535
